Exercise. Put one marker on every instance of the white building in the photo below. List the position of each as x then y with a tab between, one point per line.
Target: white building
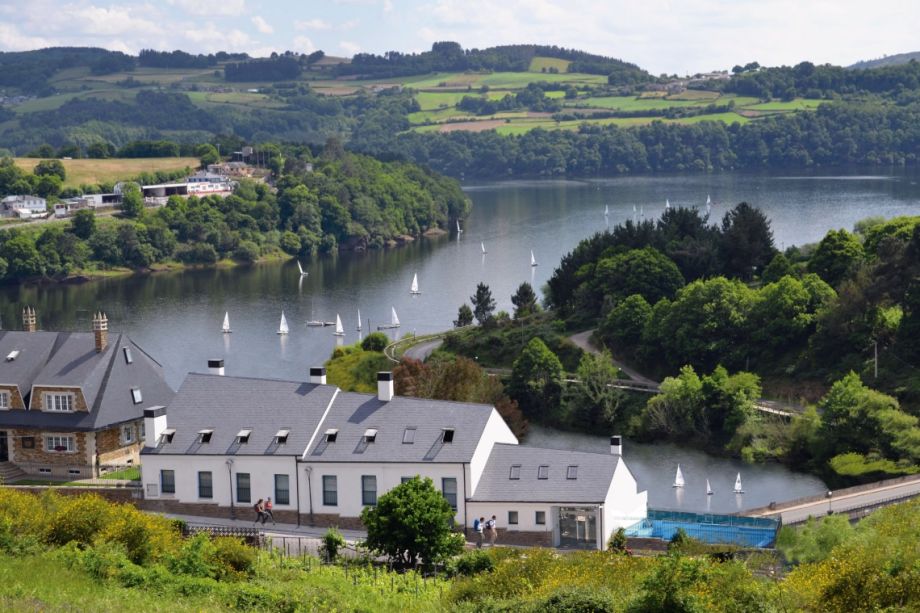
23	206
323	455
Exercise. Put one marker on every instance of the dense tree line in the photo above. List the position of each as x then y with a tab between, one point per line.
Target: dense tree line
348	200
823	81
29	71
282	68
174	59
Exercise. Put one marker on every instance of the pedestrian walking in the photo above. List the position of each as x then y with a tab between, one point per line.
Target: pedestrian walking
479	526
267	514
492	526
259	508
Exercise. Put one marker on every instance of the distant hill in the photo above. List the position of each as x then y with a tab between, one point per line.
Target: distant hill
888	60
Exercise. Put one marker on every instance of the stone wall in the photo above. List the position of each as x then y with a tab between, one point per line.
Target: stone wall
110	450
121	494
38	397
15	397
30	460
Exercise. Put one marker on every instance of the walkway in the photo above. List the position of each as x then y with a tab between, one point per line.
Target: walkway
423	350
583	341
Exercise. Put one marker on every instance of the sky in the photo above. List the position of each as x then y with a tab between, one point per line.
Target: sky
662	36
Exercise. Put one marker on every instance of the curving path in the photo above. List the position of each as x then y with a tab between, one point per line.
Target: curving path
583	340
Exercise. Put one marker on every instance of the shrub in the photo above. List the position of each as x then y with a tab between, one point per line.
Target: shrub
196	558
78	519
471	563
233	557
247	252
617	542
577	600
375	341
332	541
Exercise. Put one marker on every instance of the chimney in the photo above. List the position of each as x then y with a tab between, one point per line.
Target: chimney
385	386
318	375
216	367
154	425
616	445
28	319
101	331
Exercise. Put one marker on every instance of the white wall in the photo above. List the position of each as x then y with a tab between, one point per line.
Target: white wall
526	515
388	476
625	504
496	431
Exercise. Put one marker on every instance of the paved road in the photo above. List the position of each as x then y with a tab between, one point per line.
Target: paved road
423	350
583	340
841	503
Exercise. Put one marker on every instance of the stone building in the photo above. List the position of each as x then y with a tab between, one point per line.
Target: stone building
72	403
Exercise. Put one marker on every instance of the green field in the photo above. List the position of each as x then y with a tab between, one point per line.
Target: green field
541	64
105	171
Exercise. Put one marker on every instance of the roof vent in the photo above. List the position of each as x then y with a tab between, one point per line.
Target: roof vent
331	435
515	473
136	395
281	436
409	435
242	437
128	357
447	435
12	355
543	471
168	435
571	472
370	435
204	436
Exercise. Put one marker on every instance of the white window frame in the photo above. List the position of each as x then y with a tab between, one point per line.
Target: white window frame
5	400
136	395
68	441
127	434
51	399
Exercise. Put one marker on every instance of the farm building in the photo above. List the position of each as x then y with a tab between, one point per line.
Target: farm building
23	206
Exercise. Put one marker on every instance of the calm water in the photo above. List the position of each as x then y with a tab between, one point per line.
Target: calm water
654	466
177	316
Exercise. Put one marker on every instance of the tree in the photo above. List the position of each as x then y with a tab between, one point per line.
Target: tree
837	253
747	241
464	316
375	341
483	304
50	167
778	268
132	200
646	272
22	257
412	523
83	223
593	401
47	186
207	153
625	324
524	300
290	243
536	380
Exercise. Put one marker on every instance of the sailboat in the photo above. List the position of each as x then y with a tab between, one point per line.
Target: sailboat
314	323
533	260
641	212
708	204
283	326
708	488
339	330
226	327
359	320
678	478
414	288
606	210
483	247
459	231
738	488
667	204
303	273
394	321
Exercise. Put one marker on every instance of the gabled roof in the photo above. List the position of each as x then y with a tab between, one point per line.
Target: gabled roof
228	405
70	360
594	474
354	414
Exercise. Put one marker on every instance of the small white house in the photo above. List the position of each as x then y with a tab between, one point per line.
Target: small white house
323	455
23	206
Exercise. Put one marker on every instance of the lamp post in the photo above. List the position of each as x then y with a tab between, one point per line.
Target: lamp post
230	476
309	470
830	500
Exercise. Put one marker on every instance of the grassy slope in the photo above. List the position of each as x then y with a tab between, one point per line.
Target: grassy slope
99	171
537	64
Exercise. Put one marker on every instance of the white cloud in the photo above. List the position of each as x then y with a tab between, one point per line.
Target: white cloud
350	48
211	8
261	25
303	44
387	6
11	39
97	20
312	24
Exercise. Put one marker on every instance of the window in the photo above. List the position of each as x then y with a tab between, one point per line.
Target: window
449	489
370	435
243	493
331	435
512	518
136	395
205	484
571	472
143	431
447	435
330	490
282	489
515	472
4	400
44	471
59	403
28	442
127	434
409	436
128	357
167	436
242	437
167	482
543	472
204	436
540	518
60	444
368	490
74	471
404	479
281	436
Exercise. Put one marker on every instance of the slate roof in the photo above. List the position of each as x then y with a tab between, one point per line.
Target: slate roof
595	472
353	414
69	359
228	405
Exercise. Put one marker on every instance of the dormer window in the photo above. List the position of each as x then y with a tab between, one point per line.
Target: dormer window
12	355
571	472
136	395
543	472
128	357
4	400
409	435
370	435
167	436
204	436
242	437
447	435
331	435
281	436
58	402
515	473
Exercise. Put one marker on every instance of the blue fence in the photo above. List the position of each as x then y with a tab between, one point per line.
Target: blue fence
709	528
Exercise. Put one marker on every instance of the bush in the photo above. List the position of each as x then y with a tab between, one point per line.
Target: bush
247	252
331	542
577	600
375	341
234	558
471	563
617	542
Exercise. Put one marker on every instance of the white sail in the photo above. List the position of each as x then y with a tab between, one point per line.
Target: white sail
708	200
226	327
708	488
606	210
303	273
483	246
283	326
339	330
414	288
642	212
394	320
458	227
678	478
738	488
533	260
667	203
359	320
